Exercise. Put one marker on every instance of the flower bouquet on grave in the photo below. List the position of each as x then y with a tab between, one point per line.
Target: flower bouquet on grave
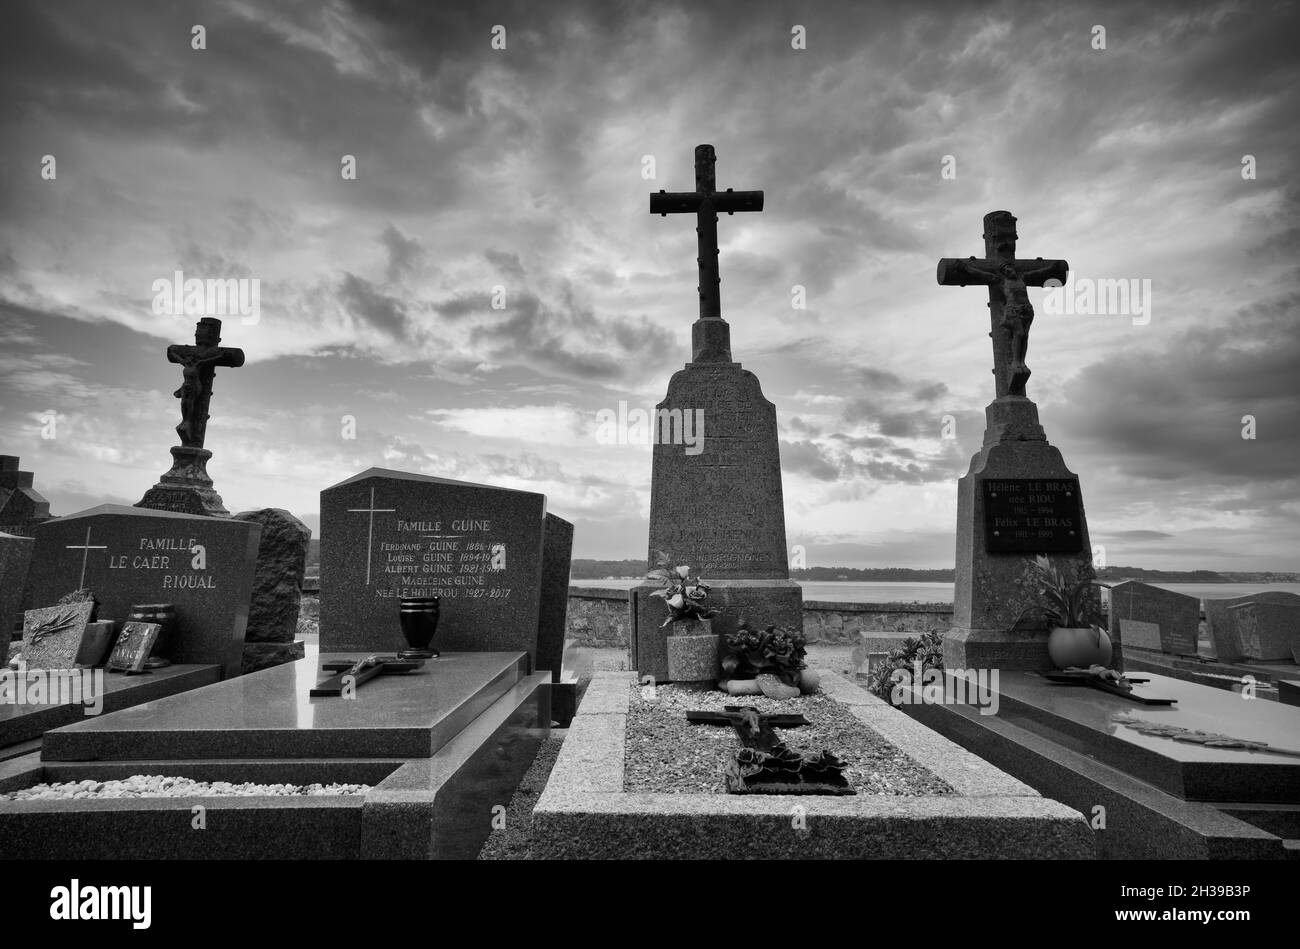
773	659
683	594
693	649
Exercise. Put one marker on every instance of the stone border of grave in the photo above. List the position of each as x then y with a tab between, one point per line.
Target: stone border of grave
585	813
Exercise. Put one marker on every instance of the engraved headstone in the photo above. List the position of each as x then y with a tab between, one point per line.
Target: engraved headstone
1175	617
21	505
1017	499
1267	630
1223	621
203	566
388	535
716	501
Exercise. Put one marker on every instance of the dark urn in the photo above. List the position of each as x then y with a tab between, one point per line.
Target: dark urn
419	616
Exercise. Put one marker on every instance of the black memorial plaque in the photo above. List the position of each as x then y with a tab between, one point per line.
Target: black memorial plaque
1032	516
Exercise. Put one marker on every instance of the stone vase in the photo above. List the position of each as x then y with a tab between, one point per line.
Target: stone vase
693	652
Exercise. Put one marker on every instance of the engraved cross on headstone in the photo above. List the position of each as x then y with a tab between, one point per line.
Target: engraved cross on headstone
370	536
1010	312
85	549
705	203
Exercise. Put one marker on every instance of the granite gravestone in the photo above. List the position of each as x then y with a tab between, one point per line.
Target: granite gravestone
557	556
716	501
1148	617
1267	630
271	637
127	556
21	506
1017	499
15	559
1222	620
388	535
186	487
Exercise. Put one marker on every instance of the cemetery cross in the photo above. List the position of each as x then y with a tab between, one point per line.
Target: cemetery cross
1007	278
705	203
198	368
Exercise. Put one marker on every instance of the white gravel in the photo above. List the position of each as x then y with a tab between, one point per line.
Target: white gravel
157	785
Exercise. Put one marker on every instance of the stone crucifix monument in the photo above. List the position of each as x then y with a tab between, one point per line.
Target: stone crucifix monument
186	488
715	497
1018	499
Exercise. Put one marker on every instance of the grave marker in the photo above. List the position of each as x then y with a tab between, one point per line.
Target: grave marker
186	488
1017	499
716	505
388	535
128	556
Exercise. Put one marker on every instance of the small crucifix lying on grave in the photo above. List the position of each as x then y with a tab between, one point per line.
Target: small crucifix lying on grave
766	765
353	674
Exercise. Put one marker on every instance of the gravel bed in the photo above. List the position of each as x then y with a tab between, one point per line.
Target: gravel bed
666	754
156	785
514	840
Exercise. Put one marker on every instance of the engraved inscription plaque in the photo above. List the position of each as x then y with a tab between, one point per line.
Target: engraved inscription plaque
1032	516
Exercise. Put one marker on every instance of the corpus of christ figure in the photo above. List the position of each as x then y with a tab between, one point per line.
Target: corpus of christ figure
1009	306
198	367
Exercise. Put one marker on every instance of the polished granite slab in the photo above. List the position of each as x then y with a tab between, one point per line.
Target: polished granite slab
25	721
1084	719
269	714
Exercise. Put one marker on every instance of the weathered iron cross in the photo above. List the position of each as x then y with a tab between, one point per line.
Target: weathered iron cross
705	203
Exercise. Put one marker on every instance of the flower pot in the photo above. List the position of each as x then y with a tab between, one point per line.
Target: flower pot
693	652
1078	646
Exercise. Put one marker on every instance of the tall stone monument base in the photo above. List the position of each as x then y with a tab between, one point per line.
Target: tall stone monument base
760	602
993	586
186	488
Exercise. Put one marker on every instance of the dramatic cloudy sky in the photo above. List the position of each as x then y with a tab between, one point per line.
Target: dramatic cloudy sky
523	168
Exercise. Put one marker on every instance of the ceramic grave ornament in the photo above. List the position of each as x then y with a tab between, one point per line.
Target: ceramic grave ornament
1018	500
52	635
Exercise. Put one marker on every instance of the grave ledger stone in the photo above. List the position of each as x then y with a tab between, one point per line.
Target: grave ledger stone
483	551
128	556
186	487
1018	499
21	506
715	494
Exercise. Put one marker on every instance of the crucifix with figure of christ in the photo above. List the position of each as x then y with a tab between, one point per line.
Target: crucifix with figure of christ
1010	311
766	765
711	341
348	675
198	368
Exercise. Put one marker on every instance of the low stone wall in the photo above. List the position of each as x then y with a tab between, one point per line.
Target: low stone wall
599	617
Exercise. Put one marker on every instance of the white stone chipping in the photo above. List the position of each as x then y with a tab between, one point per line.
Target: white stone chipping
157	785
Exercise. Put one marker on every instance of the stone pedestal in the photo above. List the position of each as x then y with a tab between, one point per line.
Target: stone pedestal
716	502
992	587
186	488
